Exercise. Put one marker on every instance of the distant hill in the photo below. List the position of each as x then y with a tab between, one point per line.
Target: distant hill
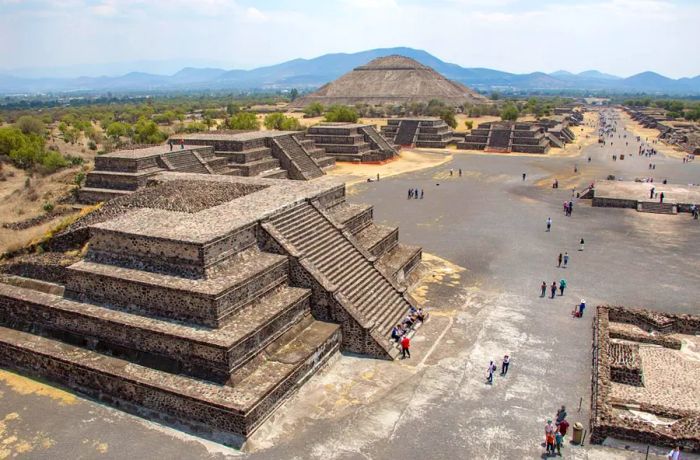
313	73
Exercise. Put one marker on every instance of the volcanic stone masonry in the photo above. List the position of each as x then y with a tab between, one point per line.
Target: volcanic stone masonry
644	385
431	132
178	314
354	142
506	137
268	154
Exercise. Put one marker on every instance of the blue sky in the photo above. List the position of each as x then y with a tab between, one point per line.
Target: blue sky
623	37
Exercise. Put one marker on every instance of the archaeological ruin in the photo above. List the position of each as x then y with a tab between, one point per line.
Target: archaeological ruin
267	154
430	132
637	195
505	137
393	80
353	142
204	300
645	378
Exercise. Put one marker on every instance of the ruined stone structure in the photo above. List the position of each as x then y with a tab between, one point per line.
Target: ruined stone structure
647	117
419	132
353	142
635	195
630	398
393	80
506	137
269	154
208	299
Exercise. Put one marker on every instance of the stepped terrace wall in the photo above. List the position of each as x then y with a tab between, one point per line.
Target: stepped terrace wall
621	404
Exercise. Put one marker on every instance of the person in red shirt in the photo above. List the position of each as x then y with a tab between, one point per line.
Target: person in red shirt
405	345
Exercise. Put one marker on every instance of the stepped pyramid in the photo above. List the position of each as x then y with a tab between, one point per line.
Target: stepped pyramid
391	80
205	300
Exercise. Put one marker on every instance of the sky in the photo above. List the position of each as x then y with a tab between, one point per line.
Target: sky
92	37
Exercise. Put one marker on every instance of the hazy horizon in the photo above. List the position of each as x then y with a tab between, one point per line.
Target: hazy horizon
113	37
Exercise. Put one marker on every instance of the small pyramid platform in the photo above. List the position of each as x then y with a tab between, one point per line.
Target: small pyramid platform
395	80
211	299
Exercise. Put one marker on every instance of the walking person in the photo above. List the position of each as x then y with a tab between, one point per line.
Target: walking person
544	289
489	372
460	172
661	197
560	259
504	365
421	194
405	345
580	246
562	286
581	308
566	259
524	176
549	223
553	289
675	454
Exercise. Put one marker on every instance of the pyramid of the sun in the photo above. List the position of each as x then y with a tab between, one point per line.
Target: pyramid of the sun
391	80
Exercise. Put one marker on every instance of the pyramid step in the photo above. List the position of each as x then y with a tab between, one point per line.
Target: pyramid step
378	239
216	409
211	354
239	281
92	195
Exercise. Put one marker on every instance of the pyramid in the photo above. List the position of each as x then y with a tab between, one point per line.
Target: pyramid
391	80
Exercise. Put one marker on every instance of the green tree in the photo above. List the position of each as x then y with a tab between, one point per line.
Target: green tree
281	122
293	94
24	150
147	132
341	113
243	121
232	108
53	161
509	112
495	96
30	125
117	130
315	109
469	124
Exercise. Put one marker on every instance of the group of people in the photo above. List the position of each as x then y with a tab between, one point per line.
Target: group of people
568	208
492	369
399	333
553	288
452	172
554	433
415	193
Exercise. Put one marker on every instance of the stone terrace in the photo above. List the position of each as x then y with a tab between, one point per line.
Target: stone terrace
353	142
209	313
267	154
419	132
507	137
636	195
645	377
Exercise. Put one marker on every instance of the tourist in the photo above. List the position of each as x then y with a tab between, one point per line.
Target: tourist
553	289
421	194
489	372
377	177
562	427
396	333
504	365
450	172
182	144
661	197
460	172
558	440
581	308
549	223
560	259
405	345
561	414
580	247
675	454
651	192
410	193
562	286
566	259
549	436
544	289
170	143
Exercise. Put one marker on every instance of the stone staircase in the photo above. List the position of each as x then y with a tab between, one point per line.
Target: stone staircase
308	232
406	133
216	353
299	164
499	141
656	207
377	139
186	161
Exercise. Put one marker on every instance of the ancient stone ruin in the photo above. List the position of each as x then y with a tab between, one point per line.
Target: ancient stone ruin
268	154
644	385
431	132
393	80
205	300
505	137
353	142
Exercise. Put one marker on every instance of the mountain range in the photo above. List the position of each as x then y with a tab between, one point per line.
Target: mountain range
306	74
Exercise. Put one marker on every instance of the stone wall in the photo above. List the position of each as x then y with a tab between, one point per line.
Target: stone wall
605	422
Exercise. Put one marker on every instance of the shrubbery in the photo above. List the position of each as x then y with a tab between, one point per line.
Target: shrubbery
242	121
341	113
281	122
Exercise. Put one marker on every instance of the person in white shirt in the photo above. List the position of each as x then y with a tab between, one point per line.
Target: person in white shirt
675	454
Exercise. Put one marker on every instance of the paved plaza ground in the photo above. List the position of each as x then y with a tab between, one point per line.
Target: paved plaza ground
485	236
